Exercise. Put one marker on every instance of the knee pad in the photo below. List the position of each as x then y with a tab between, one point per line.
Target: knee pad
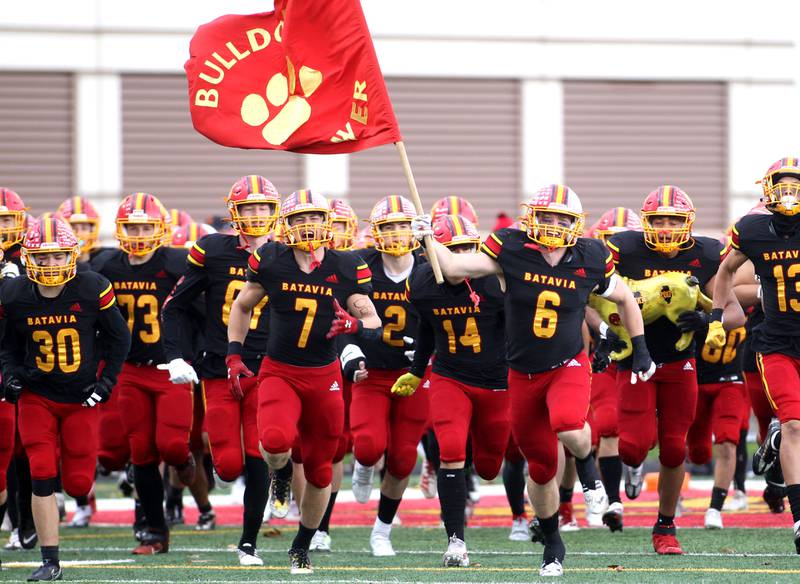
274	441
452	446
174	451
319	475
78	485
229	467
632	453
401	463
44	487
487	467
365	450
542	473
672	451
699	454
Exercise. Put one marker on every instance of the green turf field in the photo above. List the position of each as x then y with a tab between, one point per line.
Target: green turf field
742	555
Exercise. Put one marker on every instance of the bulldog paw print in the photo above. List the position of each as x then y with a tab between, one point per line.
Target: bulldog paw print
281	92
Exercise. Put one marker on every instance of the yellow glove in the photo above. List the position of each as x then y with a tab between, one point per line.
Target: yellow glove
716	336
406	384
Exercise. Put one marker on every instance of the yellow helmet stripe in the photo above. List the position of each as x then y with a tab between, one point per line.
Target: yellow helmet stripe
77	204
560	194
394	204
665	196
139	201
253	183
453	205
620	221
48	231
458	226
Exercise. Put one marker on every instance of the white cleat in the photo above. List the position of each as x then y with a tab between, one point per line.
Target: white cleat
713	519
634	480
248	556
82	516
456	555
381	544
596	502
362	481
321	542
427	480
519	530
554	568
13	541
738	502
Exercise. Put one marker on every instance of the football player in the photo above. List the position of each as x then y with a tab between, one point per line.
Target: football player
82	216
549	273
179	218
155	414
772	244
187	235
300	379
665	245
463	322
59	325
605	397
454	206
344	222
216	267
380	421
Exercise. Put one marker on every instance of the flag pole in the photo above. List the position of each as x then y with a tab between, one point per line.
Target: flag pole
412	187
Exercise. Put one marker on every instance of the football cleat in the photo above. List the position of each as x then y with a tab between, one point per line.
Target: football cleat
519	530
28	538
206	521
553	559
61	504
566	518
767	452
474	488
713	519
321	542
665	542
248	556
773	497
139	521
47	572
738	502
553	568
13	543
152	544
613	517
535	531
279	496
82	516
362	481
427	480
300	562
456	555
797	537
634	480
381	544
174	515
596	503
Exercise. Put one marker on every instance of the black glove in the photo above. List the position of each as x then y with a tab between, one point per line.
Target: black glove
610	344
12	388
643	366
692	321
98	392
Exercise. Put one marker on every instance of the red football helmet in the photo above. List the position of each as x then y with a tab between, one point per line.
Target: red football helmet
364	239
344	222
186	236
12	218
455	230
179	218
253	190
390	211
553	217
46	237
135	212
616	220
782	196
664	202
84	220
308	235
454	206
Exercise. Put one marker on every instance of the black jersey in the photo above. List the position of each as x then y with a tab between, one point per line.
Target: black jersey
217	266
54	345
141	292
390	302
637	261
544	304
776	260
470	342
725	364
301	305
755	316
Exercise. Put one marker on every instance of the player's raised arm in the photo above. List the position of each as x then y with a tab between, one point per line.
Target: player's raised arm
724	297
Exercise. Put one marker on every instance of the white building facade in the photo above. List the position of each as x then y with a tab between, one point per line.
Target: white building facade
494	100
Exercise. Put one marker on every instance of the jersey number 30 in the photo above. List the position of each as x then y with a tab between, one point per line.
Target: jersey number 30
69	360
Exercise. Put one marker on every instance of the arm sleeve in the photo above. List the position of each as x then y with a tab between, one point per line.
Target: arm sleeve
180	309
113	335
10	348
426	344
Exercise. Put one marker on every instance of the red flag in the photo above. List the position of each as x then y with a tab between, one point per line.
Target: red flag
303	78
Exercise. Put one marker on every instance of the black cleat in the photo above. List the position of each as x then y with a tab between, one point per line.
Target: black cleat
28	537
279	496
206	521
613	517
47	572
300	562
767	452
535	531
773	497
174	515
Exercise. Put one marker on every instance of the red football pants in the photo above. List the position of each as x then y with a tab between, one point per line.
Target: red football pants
157	415
196	443
759	402
460	411
115	450
719	411
604	404
304	401
780	375
544	404
47	428
383	422
346	439
661	409
513	453
231	424
8	421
